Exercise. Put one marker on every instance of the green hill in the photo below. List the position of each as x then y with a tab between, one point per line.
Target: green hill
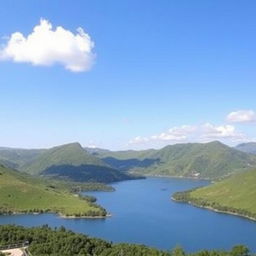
69	154
45	241
15	157
235	195
210	160
74	163
20	193
249	147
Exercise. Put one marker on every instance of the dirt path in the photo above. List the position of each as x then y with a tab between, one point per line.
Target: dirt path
14	252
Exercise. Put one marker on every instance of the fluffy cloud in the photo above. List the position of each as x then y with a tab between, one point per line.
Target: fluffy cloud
192	133
46	46
175	133
242	116
211	132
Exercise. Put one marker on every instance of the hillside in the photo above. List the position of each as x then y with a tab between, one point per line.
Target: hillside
234	195
15	157
20	193
249	147
210	160
87	173
74	163
45	241
69	154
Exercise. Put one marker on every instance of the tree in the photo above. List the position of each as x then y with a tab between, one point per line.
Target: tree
240	250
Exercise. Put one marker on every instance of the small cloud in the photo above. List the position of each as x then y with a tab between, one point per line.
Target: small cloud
46	46
192	133
139	140
213	132
242	116
175	133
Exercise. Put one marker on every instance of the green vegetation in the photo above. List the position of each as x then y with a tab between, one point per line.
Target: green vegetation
87	173
210	160
20	193
67	162
249	147
15	158
75	187
70	154
45	241
234	195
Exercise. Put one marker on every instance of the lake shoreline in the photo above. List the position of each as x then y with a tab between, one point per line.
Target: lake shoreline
60	215
84	217
215	210
178	177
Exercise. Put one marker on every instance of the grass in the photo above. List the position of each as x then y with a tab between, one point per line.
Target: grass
69	154
208	160
237	192
22	194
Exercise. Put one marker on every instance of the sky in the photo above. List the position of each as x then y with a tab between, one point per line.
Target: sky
127	74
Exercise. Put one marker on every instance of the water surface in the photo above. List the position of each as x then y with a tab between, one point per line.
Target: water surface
142	212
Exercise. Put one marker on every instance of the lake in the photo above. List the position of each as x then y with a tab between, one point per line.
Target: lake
142	212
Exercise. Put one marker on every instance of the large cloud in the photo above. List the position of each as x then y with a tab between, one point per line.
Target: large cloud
47	46
242	116
191	133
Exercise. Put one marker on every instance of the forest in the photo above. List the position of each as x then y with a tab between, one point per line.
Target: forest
45	241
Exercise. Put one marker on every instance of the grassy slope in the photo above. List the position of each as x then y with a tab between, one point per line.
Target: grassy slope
16	158
127	154
21	193
212	160
70	154
238	191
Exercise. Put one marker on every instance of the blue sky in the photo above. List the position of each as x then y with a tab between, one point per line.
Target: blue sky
163	72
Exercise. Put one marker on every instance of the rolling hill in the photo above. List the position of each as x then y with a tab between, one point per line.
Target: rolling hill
209	160
72	162
234	195
21	193
249	147
15	157
69	154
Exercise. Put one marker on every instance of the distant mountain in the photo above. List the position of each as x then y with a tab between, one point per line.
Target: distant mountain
201	160
73	162
235	195
129	159
70	154
96	151
210	160
21	193
249	147
87	173
15	157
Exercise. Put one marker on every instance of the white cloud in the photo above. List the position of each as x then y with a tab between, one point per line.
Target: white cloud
175	133
139	140
46	46
192	133
242	116
209	131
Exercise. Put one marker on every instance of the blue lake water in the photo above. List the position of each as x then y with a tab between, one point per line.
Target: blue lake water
142	212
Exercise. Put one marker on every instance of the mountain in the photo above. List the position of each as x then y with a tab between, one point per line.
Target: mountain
127	160
235	195
202	160
87	173
249	147
21	193
69	154
15	158
72	162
